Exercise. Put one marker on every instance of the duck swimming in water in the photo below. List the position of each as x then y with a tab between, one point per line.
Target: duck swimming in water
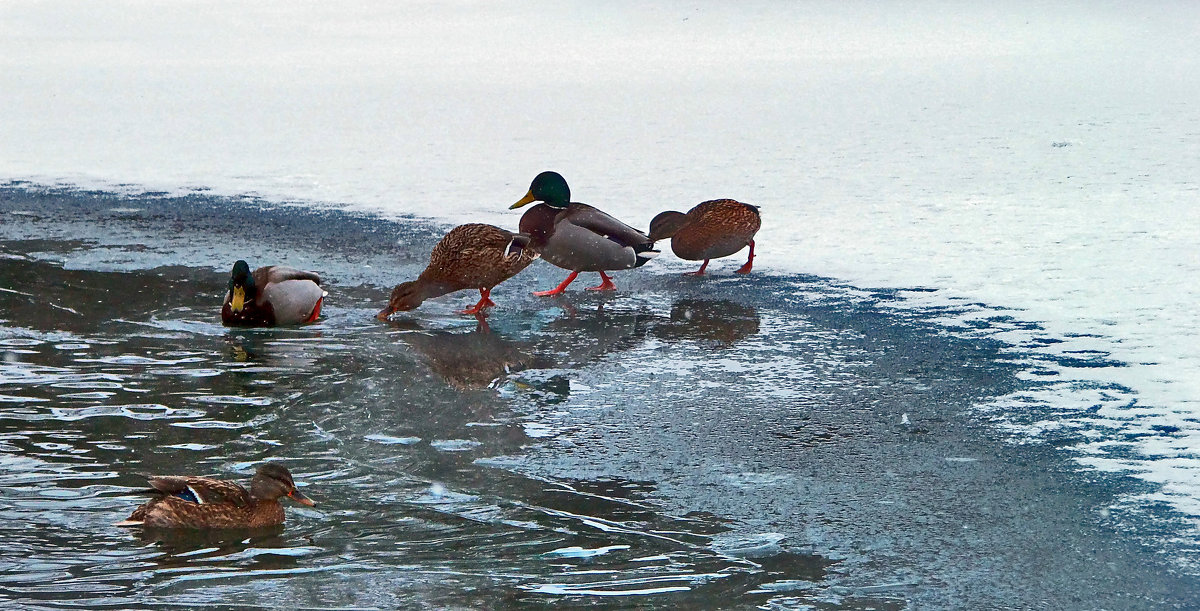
472	256
204	503
711	230
272	296
578	237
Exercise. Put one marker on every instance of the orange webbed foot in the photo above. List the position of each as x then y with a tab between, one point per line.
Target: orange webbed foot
606	284
485	301
558	289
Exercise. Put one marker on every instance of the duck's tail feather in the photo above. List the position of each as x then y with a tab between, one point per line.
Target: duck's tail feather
644	252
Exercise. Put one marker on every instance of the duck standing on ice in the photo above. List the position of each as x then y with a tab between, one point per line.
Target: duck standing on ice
578	237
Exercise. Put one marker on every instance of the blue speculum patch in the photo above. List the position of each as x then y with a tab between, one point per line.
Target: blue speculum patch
187	495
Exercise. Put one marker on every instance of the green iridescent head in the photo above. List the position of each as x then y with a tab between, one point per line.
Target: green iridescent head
549	188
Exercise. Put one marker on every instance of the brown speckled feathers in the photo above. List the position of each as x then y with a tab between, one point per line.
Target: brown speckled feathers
471	256
475	256
714	229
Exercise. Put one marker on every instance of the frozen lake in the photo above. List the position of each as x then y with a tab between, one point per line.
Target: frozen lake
1021	178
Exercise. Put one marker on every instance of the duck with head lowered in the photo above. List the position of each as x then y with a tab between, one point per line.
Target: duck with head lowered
182	501
471	256
578	237
711	230
272	296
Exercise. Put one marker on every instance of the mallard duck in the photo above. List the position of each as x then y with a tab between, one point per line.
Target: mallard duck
202	502
577	236
472	256
713	229
272	296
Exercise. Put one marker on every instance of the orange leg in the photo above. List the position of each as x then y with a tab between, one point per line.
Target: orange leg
485	297
745	269
558	289
605	285
485	301
699	272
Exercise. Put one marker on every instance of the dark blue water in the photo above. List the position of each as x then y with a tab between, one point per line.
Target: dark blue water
727	442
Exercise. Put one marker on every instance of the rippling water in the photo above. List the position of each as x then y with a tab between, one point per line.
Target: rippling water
371	420
776	441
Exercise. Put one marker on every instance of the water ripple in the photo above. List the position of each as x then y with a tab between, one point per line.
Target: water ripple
626	587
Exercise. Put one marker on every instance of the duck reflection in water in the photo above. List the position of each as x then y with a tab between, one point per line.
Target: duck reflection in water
716	322
269	349
483	358
175	542
579	338
223	550
473	360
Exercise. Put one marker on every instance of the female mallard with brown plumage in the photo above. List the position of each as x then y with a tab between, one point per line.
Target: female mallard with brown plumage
472	256
713	229
202	502
272	296
577	236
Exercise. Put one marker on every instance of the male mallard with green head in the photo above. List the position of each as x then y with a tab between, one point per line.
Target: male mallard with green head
578	237
472	256
272	296
202	502
713	229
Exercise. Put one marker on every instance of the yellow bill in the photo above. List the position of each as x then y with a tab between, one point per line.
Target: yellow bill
529	198
239	299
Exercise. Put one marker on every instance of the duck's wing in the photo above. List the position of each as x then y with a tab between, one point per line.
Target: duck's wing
518	243
603	224
200	490
274	274
508	242
728	212
475	255
467	241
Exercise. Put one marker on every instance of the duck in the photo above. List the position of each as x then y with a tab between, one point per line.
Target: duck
579	237
711	230
471	256
206	503
272	296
